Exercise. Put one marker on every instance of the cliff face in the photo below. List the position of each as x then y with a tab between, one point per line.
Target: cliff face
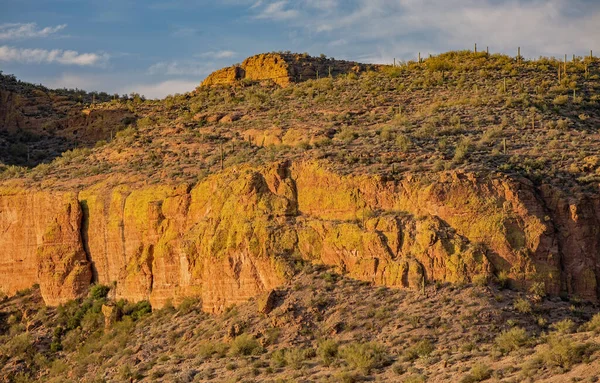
240	233
40	243
283	69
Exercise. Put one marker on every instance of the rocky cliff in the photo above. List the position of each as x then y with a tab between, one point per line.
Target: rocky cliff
283	69
242	232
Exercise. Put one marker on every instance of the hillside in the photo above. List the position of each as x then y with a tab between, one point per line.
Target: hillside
463	169
319	327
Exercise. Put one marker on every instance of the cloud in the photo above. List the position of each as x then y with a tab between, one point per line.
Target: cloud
181	68
14	31
400	28
276	11
185	32
217	55
55	56
161	89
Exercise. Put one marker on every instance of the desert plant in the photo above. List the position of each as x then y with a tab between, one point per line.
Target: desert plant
479	372
365	356
593	324
564	352
565	326
245	344
523	306
512	339
99	291
328	351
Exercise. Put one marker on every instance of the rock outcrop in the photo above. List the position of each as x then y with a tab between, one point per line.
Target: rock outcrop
283	69
241	233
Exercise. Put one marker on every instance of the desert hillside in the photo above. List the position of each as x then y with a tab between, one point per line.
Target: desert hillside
413	180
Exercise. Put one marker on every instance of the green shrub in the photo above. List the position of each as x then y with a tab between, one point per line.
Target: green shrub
99	291
538	289
560	100
209	349
563	352
403	142
245	344
415	378
135	310
512	339
593	324
365	356
478	373
566	326
523	306
328	351
295	357
188	305
278	359
421	349
503	279
462	150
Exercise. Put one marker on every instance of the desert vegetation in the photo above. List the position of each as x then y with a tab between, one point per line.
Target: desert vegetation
353	332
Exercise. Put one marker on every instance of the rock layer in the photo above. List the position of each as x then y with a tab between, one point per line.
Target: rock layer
241	233
283	69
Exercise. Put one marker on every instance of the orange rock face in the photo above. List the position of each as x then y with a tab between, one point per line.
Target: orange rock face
283	69
239	234
40	243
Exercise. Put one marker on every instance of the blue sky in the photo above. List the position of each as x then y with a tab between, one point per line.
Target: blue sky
160	47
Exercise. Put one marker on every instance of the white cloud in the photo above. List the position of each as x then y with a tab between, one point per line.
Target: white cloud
58	56
13	31
277	11
401	28
161	89
217	54
181	68
185	32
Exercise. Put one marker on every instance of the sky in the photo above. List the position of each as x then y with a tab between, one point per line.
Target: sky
161	47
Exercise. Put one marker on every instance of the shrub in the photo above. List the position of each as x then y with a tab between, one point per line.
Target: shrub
347	135
99	292
503	279
480	280
523	306
416	378
328	351
463	149
593	324
566	326
136	310
295	357
538	289
278	359
563	352
403	142
188	305
365	356
209	349
561	100
422	349
245	345
478	373
512	339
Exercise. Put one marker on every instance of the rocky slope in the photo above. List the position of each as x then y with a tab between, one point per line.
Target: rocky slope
187	203
317	327
37	124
